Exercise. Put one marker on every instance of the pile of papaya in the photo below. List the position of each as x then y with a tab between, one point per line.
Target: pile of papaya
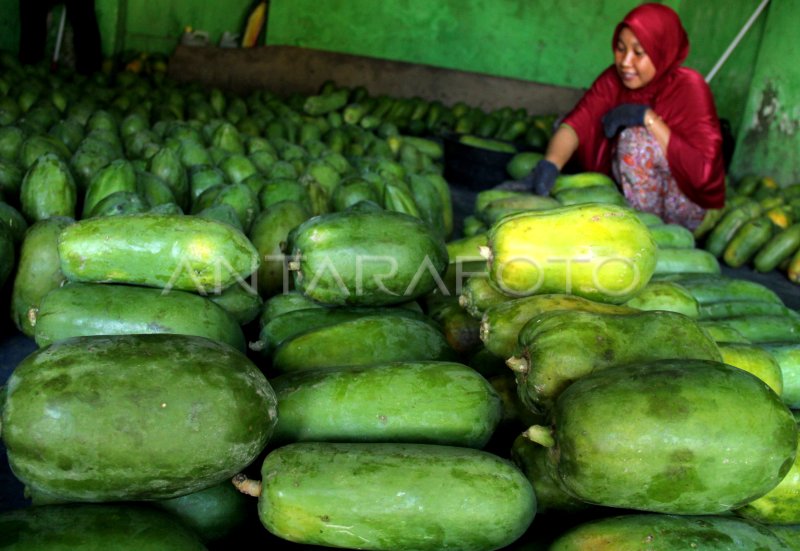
255	318
497	129
759	227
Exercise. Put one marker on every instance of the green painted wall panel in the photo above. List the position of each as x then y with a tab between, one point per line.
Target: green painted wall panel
769	141
559	42
711	31
564	43
9	25
156	26
550	41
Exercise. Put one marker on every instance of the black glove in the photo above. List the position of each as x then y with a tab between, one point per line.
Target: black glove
540	181
623	116
543	177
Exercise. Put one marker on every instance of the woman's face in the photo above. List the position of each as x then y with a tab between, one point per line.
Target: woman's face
634	66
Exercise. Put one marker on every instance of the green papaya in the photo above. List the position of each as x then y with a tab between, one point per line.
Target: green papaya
201	178
731	439
370	338
498	146
237	167
94	526
280	328
533	462
477	295
241	301
722	334
666	295
80	309
429	202
283	303
504	206
10	178
90	157
694	261
431	402
736	308
582	180
649	218
486	196
38	270
710	288
38	145
119	175
134	417
756	360
787	354
593	194
214	513
8	254
11	138
167	165
501	323
667	532
460	329
168	251
350	192
14	221
222	213
48	189
437	181
152	189
366	258
268	234
763	328
242	199
672	236
422	496
227	138
523	164
562	346
120	202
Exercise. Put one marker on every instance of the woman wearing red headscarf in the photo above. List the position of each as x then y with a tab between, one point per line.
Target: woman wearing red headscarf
649	122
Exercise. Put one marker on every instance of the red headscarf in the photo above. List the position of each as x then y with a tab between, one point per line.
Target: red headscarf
679	95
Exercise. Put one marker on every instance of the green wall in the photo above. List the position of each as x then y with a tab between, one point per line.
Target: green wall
558	42
769	141
144	25
548	41
151	26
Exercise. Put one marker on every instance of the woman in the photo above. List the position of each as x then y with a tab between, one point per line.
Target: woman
648	122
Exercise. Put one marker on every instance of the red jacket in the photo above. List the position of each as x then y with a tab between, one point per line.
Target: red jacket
679	95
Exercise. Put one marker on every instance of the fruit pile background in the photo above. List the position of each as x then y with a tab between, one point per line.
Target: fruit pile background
264	175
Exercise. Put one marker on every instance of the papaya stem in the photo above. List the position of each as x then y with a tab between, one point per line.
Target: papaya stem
32	315
485	252
256	346
541	435
518	364
246	485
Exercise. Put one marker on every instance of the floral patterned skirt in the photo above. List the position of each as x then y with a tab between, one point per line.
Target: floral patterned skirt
641	168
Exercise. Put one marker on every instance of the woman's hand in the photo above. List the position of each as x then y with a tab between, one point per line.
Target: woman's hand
543	177
540	181
623	116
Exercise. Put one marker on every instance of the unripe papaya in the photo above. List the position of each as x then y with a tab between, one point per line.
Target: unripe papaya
686	437
134	417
